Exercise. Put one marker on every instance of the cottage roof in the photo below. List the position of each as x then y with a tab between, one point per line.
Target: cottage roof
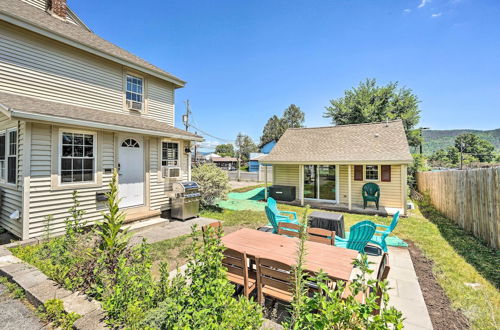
359	143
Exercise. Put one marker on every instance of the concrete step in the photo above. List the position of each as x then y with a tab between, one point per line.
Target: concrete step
145	223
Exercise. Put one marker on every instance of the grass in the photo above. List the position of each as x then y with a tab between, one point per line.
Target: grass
459	258
245	189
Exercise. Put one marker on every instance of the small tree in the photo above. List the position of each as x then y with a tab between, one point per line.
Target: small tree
369	103
214	183
245	146
225	150
275	127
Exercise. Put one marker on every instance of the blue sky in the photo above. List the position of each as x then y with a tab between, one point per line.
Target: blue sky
245	60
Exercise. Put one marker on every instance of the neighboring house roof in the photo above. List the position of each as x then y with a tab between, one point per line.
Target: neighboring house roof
256	155
359	143
32	18
224	159
27	108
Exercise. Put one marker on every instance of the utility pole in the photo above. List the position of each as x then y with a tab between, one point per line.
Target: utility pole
421	138
195	151
462	145
185	117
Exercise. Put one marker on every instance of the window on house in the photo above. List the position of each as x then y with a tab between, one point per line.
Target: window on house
135	89
371	172
170	154
77	157
2	157
12	157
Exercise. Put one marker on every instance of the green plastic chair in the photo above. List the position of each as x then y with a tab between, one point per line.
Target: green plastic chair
274	219
371	193
382	235
271	203
360	234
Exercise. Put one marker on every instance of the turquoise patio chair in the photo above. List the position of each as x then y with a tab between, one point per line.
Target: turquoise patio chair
371	193
380	236
275	219
271	203
360	234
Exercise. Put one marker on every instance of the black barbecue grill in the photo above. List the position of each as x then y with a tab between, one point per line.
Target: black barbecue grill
186	203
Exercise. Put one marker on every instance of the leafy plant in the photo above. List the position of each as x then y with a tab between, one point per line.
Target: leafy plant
203	297
213	181
15	290
53	311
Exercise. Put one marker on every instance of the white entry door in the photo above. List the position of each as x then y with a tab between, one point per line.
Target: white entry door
131	171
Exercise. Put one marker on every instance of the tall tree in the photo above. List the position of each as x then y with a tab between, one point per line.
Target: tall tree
272	130
293	117
473	145
371	103
245	146
225	150
275	127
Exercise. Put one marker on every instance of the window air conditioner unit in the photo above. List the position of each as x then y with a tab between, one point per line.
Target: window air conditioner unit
171	172
133	105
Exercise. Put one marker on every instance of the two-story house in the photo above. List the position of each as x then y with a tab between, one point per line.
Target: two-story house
73	107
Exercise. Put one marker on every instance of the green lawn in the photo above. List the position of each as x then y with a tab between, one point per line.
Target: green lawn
458	257
248	188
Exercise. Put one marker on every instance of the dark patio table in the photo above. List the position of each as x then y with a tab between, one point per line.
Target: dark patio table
329	221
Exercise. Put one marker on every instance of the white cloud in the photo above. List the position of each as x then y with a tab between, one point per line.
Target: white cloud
423	3
208	144
406	11
436	15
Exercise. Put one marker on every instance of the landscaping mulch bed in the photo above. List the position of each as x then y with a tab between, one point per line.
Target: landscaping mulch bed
442	314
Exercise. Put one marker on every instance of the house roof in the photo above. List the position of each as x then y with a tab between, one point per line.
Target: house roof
359	143
224	159
27	108
30	17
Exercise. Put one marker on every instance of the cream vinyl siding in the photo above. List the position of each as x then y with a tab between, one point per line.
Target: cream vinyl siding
160	187
160	101
391	194
35	66
44	201
287	175
12	195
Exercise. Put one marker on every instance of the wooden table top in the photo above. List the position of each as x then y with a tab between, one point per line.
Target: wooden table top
334	261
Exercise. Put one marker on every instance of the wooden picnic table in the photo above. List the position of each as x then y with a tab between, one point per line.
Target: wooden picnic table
336	262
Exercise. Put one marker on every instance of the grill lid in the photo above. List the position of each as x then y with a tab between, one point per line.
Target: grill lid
189	185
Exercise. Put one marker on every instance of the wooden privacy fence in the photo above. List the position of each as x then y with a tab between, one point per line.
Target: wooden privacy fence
471	198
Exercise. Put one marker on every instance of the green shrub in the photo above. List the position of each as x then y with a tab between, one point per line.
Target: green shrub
214	183
203	297
53	311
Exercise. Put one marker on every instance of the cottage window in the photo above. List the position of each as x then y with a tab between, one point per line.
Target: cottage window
11	156
170	154
135	89
371	172
77	157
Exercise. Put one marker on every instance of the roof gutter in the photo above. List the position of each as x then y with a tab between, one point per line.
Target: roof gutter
16	114
5	16
339	162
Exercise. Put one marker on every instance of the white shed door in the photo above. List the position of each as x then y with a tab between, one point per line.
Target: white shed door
131	171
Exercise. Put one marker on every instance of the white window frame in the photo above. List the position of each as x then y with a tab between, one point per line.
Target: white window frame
60	156
178	154
8	155
144	87
378	172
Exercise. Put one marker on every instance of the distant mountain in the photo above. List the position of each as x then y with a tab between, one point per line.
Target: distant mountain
438	139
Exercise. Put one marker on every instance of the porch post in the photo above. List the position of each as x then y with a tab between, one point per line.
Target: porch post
349	186
265	179
301	184
404	186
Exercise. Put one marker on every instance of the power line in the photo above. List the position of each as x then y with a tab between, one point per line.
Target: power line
208	134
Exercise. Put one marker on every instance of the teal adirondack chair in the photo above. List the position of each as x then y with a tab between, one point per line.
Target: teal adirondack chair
271	203
360	234
382	235
371	193
274	219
